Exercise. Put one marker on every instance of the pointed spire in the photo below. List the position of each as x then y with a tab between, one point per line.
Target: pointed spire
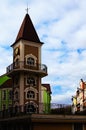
27	31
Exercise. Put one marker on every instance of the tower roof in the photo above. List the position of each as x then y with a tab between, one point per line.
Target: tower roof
27	31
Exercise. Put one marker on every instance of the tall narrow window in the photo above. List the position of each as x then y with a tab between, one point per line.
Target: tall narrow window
10	94
4	94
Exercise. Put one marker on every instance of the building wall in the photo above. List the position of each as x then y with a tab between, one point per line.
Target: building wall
52	126
27	125
44	122
80	97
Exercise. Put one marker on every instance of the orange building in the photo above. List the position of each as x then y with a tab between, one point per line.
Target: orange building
80	98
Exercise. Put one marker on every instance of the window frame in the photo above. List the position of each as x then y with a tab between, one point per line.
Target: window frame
34	58
4	95
30	61
30	94
10	94
31	89
31	81
31	107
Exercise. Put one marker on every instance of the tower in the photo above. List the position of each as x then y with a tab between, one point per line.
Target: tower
26	70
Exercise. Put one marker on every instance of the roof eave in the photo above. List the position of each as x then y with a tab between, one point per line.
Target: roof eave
24	39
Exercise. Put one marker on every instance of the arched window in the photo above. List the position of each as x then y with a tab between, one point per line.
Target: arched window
30	61
30	94
31	81
31	108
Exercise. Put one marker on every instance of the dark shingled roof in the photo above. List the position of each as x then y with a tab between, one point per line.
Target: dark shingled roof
27	31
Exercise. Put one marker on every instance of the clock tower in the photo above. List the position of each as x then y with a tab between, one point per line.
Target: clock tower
26	70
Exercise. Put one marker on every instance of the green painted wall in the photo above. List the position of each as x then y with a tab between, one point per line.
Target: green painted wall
6	101
46	101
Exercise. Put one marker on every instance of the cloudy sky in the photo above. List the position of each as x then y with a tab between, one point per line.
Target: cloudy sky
61	25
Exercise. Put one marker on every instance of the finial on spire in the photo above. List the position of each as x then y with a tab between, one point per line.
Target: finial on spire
27	9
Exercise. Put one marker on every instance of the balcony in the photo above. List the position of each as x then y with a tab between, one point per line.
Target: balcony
23	66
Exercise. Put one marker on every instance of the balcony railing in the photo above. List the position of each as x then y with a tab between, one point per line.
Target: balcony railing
23	65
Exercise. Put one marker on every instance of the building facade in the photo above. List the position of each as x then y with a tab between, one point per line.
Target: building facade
79	100
26	71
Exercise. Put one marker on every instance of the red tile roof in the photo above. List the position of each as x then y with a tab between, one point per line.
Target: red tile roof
27	31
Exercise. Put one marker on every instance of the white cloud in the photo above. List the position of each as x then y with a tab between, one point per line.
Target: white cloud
61	25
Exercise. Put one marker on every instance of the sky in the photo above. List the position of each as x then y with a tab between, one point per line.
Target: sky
61	25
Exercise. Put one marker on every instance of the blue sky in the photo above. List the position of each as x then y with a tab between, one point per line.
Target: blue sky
61	25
